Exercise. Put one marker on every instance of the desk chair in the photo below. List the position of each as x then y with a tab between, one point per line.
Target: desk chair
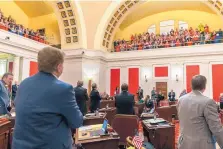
140	107
125	125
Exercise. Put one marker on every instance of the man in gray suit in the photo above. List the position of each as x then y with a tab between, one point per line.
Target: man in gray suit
4	93
199	119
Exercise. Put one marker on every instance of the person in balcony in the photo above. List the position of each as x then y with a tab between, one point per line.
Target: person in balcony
219	35
201	28
206	29
195	38
207	38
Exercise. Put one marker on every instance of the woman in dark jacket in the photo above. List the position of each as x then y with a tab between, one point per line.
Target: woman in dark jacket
95	98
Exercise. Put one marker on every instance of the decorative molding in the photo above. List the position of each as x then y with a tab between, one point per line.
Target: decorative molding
69	21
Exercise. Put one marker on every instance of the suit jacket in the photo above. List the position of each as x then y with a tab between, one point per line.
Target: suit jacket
199	122
160	97
45	114
4	99
81	98
95	100
153	94
140	94
14	90
124	103
171	97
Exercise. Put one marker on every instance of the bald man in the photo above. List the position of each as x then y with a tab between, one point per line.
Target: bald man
81	97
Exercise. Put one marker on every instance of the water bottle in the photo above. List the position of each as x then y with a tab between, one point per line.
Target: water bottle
97	112
154	116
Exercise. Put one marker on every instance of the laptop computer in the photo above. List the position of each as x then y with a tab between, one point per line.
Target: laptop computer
102	131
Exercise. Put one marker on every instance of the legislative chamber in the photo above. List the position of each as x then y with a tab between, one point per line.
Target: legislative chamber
127	74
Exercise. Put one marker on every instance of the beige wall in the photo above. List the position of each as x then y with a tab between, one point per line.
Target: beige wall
93	12
50	23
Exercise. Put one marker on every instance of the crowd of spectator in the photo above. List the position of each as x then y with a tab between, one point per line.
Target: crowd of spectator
174	38
9	24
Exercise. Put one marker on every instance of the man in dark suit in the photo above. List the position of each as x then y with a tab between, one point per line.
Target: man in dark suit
153	93
81	97
95	98
171	96
124	101
14	90
140	93
46	108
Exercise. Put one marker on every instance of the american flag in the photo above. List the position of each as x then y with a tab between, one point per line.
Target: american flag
137	142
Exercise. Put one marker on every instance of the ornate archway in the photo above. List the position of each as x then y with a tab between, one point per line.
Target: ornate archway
71	24
117	12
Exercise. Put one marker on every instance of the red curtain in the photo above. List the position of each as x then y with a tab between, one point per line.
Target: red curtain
133	80
217	80
114	80
11	67
161	71
191	70
33	68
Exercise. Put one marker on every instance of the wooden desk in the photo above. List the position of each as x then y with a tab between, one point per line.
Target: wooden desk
160	137
92	120
11	131
111	112
145	116
4	134
107	142
104	103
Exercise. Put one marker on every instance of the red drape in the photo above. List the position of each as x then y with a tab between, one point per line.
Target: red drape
11	67
114	80
133	80
161	71
217	80
191	70
33	68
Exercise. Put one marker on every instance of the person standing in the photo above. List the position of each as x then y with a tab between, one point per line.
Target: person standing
199	119
81	97
14	90
4	93
95	98
140	93
124	101
153	93
116	91
171	96
46	108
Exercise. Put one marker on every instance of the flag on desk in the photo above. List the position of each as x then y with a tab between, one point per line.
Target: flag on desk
137	142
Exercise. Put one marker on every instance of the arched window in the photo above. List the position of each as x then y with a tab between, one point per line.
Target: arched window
183	25
166	26
152	29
